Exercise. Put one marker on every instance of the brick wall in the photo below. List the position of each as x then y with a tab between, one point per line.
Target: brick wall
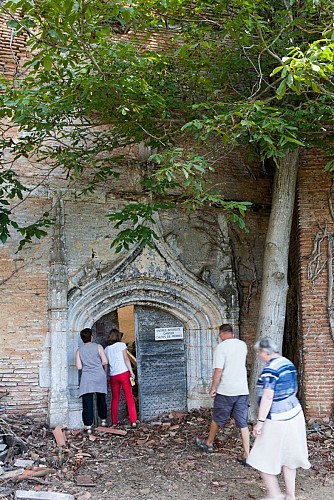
12	49
318	345
23	338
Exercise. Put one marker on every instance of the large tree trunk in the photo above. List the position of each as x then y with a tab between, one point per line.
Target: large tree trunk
275	265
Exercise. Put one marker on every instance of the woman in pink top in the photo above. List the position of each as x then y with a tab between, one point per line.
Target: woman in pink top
120	374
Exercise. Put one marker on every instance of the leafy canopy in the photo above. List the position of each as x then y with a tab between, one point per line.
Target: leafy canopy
106	75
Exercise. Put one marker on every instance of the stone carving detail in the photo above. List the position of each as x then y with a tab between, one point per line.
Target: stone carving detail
152	277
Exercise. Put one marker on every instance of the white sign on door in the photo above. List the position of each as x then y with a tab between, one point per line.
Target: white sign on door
173	333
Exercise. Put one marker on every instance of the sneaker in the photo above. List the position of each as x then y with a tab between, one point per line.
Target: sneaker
88	429
103	423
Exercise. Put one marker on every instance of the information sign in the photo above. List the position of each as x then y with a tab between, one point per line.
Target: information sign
173	333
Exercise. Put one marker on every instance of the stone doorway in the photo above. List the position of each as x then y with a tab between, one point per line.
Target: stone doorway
148	278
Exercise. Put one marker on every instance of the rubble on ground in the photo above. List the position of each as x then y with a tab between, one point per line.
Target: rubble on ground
35	458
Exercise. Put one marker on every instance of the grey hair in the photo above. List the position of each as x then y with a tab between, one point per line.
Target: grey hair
266	344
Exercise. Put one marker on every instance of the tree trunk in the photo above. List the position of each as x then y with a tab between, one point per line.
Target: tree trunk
275	264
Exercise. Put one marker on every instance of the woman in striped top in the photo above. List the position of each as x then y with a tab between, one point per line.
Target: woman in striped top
280	431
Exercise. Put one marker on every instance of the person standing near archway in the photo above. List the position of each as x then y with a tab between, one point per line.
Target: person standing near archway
229	389
121	374
90	358
280	430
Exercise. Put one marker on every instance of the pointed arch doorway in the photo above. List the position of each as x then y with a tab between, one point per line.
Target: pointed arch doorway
163	292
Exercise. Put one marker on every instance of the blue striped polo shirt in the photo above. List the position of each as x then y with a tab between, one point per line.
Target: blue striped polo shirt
280	375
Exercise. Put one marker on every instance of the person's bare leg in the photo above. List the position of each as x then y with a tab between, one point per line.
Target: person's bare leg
214	428
245	440
290	482
271	483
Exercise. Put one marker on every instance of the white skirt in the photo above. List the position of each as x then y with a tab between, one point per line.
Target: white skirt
282	442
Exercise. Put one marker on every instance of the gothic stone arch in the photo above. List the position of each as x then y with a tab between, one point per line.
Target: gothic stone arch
147	277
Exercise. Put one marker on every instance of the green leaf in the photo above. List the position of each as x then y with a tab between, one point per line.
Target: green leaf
47	63
12	23
281	90
53	33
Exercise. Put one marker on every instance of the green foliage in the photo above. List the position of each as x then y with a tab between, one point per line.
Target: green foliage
224	73
10	189
188	174
141	218
273	131
34	230
311	70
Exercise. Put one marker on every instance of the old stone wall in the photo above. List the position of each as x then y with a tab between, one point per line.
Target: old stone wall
204	243
52	286
77	252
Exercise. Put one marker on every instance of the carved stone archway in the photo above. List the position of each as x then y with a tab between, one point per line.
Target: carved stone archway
146	277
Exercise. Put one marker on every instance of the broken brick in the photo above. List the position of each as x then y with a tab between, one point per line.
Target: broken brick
111	430
59	436
84	480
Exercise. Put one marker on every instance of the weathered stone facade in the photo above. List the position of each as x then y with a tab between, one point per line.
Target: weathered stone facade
71	279
203	271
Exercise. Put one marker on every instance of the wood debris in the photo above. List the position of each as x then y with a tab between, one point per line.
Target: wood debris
155	460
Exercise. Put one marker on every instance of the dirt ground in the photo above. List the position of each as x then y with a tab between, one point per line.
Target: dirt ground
155	461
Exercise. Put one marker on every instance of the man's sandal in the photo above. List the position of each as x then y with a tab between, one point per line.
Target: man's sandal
202	445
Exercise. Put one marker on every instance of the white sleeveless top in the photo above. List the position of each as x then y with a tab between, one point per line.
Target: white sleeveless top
115	357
